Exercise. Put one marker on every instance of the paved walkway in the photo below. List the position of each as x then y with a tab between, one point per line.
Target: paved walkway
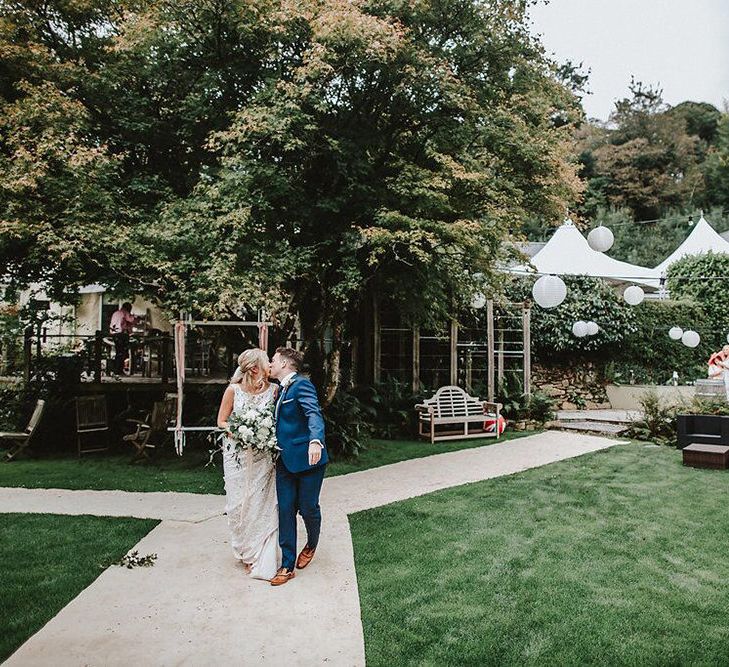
196	606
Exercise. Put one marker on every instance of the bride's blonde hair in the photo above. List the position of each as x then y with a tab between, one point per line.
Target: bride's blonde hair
249	361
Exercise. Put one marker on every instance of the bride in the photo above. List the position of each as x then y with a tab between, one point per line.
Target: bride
250	477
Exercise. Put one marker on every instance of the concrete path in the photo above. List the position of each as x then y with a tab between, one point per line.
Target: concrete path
166	506
197	607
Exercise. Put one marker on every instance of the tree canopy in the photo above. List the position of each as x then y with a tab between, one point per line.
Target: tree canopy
227	155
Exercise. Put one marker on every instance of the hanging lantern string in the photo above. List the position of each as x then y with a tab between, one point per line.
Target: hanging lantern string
644	278
689	217
703	330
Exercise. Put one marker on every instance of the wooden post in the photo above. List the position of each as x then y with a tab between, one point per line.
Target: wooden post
98	346
376	343
490	348
27	353
165	361
526	324
367	364
416	360
500	360
469	370
454	352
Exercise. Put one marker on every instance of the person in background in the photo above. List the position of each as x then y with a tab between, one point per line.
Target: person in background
721	361
715	371
122	322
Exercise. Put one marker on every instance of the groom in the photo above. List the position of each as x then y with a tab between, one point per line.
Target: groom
300	468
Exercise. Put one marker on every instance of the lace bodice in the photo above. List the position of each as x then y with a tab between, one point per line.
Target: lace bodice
242	399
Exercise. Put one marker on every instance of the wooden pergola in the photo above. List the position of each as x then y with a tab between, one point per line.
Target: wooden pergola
181	327
507	342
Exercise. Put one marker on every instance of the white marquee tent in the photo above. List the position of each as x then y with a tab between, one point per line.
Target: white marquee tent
702	239
568	253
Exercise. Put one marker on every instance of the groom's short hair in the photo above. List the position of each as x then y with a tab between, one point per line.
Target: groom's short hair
294	357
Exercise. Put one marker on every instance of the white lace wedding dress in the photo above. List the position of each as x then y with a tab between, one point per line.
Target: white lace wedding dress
250	499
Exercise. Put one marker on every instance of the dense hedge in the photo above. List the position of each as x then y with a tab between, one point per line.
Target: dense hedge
633	343
652	355
587	299
704	279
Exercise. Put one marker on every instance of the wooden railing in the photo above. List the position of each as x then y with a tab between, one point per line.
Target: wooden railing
149	355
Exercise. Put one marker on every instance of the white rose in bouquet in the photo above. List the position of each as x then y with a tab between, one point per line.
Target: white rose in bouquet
251	429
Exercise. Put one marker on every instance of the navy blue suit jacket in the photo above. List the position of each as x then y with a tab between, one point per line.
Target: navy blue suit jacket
298	421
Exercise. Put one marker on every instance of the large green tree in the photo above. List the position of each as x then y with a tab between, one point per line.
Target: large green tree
649	162
226	155
716	166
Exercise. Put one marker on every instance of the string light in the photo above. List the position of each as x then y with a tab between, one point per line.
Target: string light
688	218
660	279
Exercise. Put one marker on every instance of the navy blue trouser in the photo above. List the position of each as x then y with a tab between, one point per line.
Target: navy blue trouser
297	492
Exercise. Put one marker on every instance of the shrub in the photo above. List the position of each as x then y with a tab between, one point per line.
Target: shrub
517	405
540	407
389	408
346	425
658	423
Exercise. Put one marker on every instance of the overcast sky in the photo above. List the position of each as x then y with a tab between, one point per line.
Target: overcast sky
683	45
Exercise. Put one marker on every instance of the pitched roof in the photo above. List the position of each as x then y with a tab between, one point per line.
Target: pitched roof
702	239
568	253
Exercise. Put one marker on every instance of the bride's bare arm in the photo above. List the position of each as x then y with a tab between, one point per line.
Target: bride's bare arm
226	407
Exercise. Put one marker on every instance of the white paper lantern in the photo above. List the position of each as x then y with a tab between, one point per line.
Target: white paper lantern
580	329
600	239
549	291
675	333
592	328
690	338
633	295
478	300
727	338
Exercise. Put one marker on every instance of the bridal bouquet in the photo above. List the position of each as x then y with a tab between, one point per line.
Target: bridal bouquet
254	429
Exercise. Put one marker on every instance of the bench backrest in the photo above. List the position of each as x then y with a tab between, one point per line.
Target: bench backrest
452	401
35	417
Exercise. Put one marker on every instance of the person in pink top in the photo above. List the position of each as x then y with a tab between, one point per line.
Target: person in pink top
122	322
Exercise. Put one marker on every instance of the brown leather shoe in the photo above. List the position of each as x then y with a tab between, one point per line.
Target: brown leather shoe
305	557
282	576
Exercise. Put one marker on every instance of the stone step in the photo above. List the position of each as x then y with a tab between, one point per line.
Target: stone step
591	426
610	416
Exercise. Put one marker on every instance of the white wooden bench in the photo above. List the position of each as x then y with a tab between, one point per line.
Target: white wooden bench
451	406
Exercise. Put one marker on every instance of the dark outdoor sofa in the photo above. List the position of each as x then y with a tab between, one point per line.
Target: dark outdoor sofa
704	429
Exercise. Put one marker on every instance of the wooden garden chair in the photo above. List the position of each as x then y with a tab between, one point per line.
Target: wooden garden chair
91	421
151	432
19	441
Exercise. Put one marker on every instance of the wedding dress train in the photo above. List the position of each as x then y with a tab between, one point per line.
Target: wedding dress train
250	499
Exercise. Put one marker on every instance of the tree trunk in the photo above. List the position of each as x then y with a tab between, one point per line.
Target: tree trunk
334	360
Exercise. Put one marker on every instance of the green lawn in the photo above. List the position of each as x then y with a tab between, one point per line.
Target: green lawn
617	557
49	559
189	473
